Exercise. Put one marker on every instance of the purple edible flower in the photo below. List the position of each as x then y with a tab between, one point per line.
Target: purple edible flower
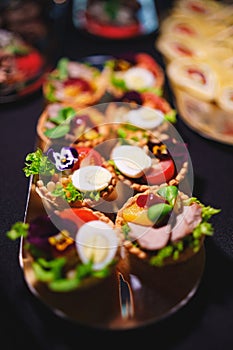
64	159
43	227
40	230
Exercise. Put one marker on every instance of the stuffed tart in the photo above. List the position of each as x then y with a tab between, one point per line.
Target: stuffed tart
164	225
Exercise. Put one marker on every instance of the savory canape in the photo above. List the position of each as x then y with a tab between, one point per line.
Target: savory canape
150	165
136	121
77	176
164	226
70	259
76	83
139	72
65	123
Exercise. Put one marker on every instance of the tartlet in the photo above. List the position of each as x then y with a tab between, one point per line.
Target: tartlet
139	72
156	162
63	123
71	176
163	226
136	121
78	84
70	259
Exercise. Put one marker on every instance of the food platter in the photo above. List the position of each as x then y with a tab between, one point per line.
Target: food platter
158	256
128	300
205	118
198	62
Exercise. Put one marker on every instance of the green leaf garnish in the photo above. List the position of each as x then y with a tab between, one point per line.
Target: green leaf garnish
62	120
48	270
208	211
69	193
64	285
18	49
119	83
163	253
57	131
125	229
204	228
62	68
49	92
64	114
171	116
169	193
154	90
19	229
37	163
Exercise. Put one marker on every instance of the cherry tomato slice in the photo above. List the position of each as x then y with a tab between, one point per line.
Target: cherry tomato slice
160	173
87	156
78	215
152	100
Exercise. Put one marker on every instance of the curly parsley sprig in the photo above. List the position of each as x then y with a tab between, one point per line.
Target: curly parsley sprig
38	163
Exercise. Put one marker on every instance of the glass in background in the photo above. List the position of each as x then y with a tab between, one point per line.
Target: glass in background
115	19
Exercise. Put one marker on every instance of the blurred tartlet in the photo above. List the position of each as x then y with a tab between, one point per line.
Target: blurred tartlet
135	120
138	72
78	84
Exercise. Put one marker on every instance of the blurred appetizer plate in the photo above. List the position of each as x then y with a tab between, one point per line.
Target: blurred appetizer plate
200	71
80	82
22	67
28	89
125	300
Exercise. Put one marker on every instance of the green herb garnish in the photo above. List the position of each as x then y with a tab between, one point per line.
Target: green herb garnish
19	229
62	121
37	163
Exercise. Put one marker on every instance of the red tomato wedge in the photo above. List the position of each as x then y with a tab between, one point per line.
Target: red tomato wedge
30	64
146	61
87	156
78	215
156	102
160	173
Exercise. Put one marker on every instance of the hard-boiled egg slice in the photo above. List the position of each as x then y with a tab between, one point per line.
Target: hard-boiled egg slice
91	178
145	118
96	241
132	161
137	78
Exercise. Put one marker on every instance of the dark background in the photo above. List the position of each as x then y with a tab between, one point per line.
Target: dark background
206	321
